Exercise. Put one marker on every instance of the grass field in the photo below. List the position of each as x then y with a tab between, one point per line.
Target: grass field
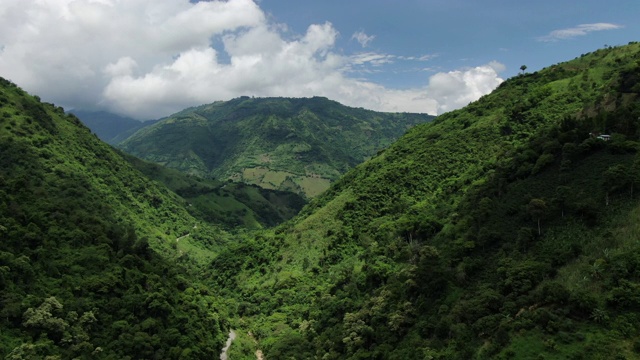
311	186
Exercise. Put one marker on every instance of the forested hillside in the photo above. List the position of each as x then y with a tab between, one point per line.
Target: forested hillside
505	230
81	230
298	145
228	204
231	205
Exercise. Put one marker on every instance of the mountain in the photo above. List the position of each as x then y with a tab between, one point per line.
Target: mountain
109	127
504	230
94	255
299	145
232	205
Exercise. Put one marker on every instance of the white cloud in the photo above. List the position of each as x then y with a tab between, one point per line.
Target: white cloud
418	58
371	58
455	89
148	58
363	38
580	30
123	67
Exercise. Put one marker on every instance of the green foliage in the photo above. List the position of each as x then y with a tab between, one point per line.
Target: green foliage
298	145
81	271
479	235
233	205
503	230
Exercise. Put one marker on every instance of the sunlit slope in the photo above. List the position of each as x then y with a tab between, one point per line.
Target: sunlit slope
299	145
506	229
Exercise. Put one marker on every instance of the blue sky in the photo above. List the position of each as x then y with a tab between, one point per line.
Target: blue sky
463	33
148	58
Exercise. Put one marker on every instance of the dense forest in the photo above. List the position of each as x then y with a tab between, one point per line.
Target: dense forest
504	230
232	205
507	229
89	262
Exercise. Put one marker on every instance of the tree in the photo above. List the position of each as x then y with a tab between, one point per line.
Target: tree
44	317
537	208
615	178
562	195
525	236
634	172
523	68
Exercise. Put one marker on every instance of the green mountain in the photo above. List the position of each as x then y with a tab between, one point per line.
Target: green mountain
93	255
232	205
299	145
110	128
505	230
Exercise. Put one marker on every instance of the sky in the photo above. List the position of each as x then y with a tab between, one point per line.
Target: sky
150	58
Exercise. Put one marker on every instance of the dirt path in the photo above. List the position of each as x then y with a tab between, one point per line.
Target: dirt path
182	237
224	355
259	354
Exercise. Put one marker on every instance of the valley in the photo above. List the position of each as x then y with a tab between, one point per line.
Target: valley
298	228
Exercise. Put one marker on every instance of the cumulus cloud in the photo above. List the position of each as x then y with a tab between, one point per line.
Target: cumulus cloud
148	58
67	51
456	89
580	30
122	67
363	38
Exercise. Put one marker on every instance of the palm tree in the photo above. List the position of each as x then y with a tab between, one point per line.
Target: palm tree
523	68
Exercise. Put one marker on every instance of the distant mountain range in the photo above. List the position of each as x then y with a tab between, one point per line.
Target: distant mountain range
110	128
291	144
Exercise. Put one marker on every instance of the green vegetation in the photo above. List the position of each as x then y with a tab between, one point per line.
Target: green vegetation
503	230
79	277
233	205
298	145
